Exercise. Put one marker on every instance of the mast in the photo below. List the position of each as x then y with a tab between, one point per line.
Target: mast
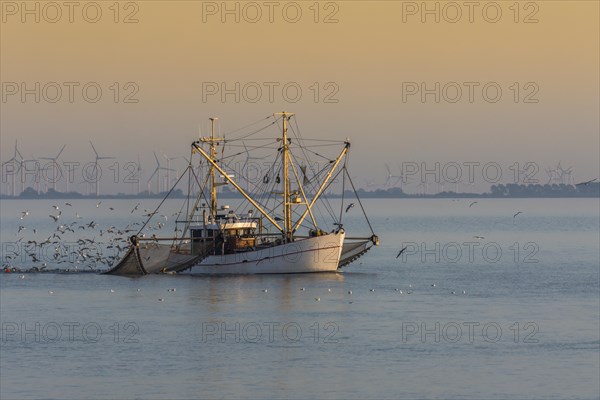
213	183
287	206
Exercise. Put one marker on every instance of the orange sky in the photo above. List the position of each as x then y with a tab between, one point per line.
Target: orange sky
369	55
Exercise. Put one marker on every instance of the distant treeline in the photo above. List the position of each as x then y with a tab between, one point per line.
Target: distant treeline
498	191
510	190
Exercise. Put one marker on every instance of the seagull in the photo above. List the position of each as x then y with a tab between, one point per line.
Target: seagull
55	217
21	228
586	182
50	292
317	299
68	204
371	290
472	204
161	299
349	207
433	285
171	290
135	208
478	237
112	290
453	292
401	251
349	291
98	204
329	290
264	290
22	276
302	289
520	212
24	213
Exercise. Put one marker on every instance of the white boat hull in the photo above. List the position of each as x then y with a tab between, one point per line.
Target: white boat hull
315	254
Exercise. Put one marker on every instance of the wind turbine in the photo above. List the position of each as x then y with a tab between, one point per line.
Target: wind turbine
169	159
157	173
35	172
569	174
139	175
564	174
390	176
17	165
54	160
96	168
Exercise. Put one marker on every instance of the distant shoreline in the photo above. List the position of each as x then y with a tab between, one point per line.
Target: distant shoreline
590	190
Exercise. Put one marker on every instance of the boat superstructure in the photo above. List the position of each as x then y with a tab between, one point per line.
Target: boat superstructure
273	230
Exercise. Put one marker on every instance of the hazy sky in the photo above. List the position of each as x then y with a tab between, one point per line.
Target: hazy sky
370	60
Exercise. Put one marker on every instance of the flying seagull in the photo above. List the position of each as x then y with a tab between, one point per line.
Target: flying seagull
520	212
586	182
56	217
401	251
470	205
349	207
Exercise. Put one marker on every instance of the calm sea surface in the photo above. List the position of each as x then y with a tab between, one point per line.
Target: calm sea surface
481	305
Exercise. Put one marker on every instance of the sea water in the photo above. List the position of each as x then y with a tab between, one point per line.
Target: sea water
479	305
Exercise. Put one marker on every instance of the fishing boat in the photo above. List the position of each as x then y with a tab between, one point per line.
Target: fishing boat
274	230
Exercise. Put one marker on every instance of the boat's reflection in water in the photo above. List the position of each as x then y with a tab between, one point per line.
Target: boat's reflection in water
217	293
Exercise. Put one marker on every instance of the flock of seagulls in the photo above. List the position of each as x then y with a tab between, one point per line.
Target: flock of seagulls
72	241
